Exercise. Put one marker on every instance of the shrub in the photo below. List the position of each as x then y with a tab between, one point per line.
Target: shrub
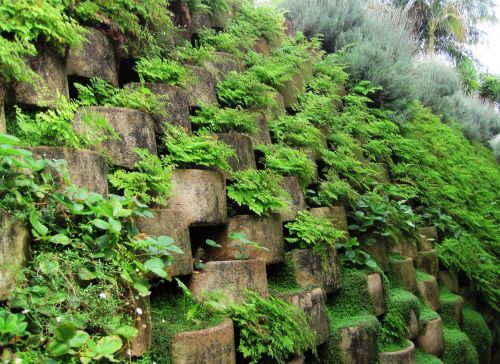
225	120
160	70
260	191
196	151
272	70
479	334
315	233
244	90
296	131
260	335
490	87
333	190
188	54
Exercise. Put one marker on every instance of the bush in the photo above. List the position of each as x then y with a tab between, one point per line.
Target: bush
479	334
490	87
296	131
225	120
244	90
160	70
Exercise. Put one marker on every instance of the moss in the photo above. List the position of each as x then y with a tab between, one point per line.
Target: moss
404	302
168	312
447	311
281	278
479	334
423	276
456	346
426	314
423	358
392	347
394	257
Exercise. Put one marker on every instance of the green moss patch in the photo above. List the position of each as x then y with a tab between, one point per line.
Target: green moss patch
281	278
457	345
479	334
447	311
423	358
423	276
426	314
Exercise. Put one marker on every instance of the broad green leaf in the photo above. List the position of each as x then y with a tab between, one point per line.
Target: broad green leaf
213	244
101	224
60	239
58	348
80	339
65	331
156	266
108	345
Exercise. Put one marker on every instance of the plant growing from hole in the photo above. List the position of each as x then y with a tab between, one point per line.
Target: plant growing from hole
150	182
200	253
333	190
160	70
225	120
243	245
260	191
296	131
201	150
352	256
195	56
314	232
244	90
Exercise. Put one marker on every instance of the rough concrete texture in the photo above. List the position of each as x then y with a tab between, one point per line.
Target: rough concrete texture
176	109
431	339
430	293
290	93
262	46
242	145
221	64
381	174
405	356
199	21
208	346
311	271
142	318
313	304
200	87
94	58
335	213
403	247
405	272
427	237
428	262
231	278
262	136
449	280
375	287
135	129
171	223
377	250
87	169
265	230
413	325
14	245
200	195
297	201
357	346
49	66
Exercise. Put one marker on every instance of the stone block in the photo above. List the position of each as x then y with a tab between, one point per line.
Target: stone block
307	70
261	46
221	64
297	201
50	67
208	346
377	249
405	272
262	136
451	310
87	169
358	345
221	18
290	91
96	57
427	237
200	195
265	230
431	339
375	287
429	291
310	270
171	223
134	128
14	245
230	278
404	356
3	91
313	304
335	213
413	325
199	21
242	145
200	87
403	247
176	109
449	280
141	344
297	360
428	262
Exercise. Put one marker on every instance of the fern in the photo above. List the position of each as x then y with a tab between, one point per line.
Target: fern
244	90
160	70
224	120
296	131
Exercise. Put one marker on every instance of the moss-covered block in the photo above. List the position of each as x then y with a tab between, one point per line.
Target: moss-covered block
200	87
430	338
221	64
3	91
424	358
243	146
297	200
427	236
381	173
403	270
377	249
14	245
479	334
200	195
307	70
336	214
429	291
95	57
263	136
375	287
261	46
428	262
451	310
456	345
407	306
403	247
403	356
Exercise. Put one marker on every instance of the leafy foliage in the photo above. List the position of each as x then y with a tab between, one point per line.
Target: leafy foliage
295	131
244	90
225	120
351	256
242	244
160	70
260	191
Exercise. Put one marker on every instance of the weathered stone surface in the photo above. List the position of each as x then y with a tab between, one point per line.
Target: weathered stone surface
375	287
310	270
297	201
242	145
313	304
50	67
263	136
265	230
413	325
208	346
381	174
176	109
335	213
403	247
431	339
449	280
403	269
200	195
428	262
221	18
452	309
427	237
201	87
221	64
277	108
94	58
14	245
291	90
3	91
87	169
262	46
171	223
199	21
429	291
142	318
405	356
377	250
306	70
231	278
135	129
358	345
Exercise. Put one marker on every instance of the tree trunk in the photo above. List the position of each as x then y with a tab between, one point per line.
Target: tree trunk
431	39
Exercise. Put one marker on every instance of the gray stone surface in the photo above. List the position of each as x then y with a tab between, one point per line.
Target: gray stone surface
297	201
242	145
375	287
431	339
428	290
404	356
428	262
405	273
221	64
141	344
200	87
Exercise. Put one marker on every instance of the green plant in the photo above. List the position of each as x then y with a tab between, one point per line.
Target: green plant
260	191
490	87
156	69
225	120
196	151
150	182
242	244
479	334
260	335
351	256
332	190
274	70
197	6
244	90
295	131
314	232
196	56
12	329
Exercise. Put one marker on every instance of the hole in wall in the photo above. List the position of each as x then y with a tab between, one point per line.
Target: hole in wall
199	235
73	92
127	73
260	159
